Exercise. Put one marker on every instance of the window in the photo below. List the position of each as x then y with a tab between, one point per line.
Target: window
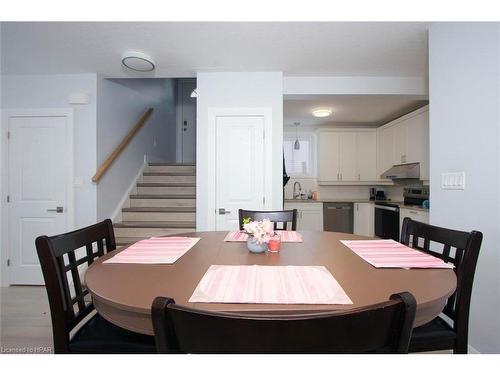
299	163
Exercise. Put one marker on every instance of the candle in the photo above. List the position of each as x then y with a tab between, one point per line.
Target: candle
274	243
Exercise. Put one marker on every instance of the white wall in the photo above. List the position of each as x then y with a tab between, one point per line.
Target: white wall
51	91
121	102
227	90
355	85
464	88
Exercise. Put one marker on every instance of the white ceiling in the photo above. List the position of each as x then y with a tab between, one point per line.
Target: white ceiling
182	49
348	110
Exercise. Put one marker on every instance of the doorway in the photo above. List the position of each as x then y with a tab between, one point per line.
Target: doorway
39	186
186	120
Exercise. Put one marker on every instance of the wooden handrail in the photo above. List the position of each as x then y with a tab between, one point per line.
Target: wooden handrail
118	150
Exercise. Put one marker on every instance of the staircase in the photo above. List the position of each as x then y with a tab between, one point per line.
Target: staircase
164	204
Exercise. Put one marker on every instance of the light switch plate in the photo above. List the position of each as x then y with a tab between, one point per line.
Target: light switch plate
453	181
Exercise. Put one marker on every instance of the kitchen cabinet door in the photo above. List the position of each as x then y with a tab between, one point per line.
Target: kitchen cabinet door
366	156
387	148
364	219
310	219
418	142
417	215
309	214
328	157
400	143
347	157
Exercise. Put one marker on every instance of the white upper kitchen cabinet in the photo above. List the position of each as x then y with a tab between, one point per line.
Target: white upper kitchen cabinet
328	156
366	151
405	140
347	156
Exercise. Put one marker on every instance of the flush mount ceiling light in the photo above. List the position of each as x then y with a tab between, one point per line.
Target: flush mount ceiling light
138	61
322	112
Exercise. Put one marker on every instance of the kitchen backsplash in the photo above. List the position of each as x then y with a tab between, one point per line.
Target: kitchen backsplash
394	193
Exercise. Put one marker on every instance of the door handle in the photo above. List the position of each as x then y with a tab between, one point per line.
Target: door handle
223	211
58	209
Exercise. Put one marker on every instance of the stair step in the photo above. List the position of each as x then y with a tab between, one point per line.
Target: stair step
180	173
155	224
158	201
163	196
170	168
169	178
150	229
183	214
160	184
159	209
173	164
162	189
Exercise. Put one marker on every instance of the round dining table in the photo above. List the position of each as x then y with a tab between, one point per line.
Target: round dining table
123	293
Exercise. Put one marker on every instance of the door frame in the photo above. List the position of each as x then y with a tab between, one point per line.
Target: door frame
178	116
4	176
213	113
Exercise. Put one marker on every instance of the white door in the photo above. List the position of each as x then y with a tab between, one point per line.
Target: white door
239	167
38	176
188	121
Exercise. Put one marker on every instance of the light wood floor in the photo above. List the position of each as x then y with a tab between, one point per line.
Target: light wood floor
25	320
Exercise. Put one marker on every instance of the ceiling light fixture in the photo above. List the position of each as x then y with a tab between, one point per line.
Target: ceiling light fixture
138	61
296	145
322	112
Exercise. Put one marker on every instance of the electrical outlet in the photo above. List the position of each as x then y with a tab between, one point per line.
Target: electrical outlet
453	181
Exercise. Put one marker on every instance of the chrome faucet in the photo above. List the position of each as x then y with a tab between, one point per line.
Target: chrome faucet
295	196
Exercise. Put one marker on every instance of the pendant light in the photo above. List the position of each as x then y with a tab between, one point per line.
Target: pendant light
296	145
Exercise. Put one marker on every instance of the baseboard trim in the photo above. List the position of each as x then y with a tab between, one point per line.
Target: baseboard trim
132	189
472	350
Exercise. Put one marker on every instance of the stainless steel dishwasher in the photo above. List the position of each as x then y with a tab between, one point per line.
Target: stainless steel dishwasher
338	217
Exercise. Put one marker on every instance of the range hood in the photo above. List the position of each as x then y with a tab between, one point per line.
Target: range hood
403	172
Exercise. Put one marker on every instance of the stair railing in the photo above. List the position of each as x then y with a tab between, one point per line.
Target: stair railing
119	149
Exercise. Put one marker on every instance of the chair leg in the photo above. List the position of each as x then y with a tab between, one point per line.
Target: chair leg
461	347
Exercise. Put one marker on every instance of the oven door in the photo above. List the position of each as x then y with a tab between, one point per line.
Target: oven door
387	222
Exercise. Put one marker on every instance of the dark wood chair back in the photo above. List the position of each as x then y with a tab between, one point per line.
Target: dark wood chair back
277	217
384	328
453	246
61	255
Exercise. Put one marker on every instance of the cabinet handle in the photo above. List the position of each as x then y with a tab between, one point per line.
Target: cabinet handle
414	212
338	176
341	177
359	176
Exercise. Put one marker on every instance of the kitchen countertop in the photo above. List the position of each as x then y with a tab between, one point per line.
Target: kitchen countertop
399	203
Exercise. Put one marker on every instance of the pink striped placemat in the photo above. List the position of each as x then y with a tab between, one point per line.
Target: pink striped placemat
286	236
270	285
155	250
392	254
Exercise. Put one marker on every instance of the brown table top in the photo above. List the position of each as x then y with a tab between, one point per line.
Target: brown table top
123	293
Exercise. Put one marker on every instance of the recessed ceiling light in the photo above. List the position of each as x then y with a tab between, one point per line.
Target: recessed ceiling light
322	112
138	61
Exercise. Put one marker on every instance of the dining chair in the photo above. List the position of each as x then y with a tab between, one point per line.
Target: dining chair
461	249
381	328
61	258
277	217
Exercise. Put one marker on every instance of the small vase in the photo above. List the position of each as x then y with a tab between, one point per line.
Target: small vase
255	247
